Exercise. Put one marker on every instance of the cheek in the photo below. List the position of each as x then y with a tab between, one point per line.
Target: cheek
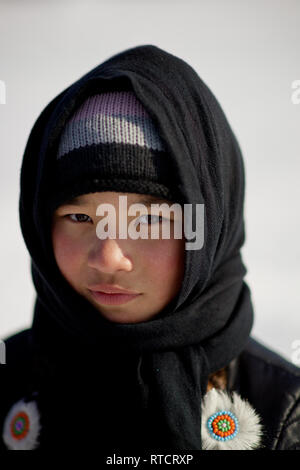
67	251
164	264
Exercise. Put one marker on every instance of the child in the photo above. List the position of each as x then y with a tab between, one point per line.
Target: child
138	341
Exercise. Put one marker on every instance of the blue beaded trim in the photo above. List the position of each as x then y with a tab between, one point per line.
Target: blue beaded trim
210	428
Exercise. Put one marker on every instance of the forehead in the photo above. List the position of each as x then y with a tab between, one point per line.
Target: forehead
113	197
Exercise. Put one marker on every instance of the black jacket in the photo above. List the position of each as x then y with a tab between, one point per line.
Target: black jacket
272	385
71	415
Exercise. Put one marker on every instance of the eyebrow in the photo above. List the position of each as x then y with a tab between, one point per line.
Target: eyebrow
146	201
74	201
154	200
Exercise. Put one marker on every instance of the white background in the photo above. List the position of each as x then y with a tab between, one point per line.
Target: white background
247	51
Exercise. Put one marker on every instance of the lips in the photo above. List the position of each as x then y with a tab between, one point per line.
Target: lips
111	289
112	299
111	295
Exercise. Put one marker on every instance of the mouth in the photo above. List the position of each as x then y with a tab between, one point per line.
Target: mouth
112	299
106	294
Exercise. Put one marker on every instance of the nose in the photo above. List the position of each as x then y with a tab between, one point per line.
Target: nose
107	256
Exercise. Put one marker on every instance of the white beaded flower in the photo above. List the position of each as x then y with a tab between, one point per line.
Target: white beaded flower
229	423
22	426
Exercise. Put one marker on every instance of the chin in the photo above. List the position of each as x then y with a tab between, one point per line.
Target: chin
124	318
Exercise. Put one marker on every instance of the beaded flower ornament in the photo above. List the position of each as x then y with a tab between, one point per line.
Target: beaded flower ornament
229	423
22	426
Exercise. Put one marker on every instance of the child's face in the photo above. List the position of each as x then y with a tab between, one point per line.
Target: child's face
152	268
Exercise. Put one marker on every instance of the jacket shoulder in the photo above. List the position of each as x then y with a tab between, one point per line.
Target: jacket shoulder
18	348
14	372
272	385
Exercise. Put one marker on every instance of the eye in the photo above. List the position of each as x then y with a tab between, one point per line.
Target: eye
79	218
150	219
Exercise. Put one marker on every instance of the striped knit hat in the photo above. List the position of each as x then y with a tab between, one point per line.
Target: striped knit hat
111	144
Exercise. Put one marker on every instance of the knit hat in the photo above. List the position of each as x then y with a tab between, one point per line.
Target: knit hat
111	144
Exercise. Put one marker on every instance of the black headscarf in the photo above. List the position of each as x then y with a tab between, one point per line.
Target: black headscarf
209	322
